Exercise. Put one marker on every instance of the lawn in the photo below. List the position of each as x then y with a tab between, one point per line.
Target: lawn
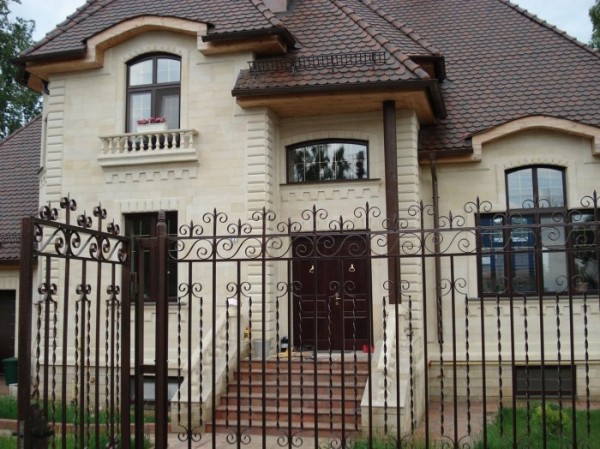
559	428
8	410
10	442
559	431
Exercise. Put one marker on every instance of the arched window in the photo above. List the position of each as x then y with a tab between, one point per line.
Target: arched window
327	160
153	89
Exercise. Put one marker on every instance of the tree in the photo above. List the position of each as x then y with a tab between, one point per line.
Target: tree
595	16
18	104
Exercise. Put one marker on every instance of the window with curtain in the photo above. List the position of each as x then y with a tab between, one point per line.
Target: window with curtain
153	89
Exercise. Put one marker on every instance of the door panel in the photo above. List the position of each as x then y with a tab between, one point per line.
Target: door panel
7	325
332	292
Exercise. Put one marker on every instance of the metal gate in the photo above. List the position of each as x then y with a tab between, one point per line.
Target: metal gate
469	330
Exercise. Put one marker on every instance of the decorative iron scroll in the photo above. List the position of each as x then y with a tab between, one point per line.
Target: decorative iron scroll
338	60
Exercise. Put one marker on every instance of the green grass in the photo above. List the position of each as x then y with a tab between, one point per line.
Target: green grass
8	410
383	442
10	442
558	430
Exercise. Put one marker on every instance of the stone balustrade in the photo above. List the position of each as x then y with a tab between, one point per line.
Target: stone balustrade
149	147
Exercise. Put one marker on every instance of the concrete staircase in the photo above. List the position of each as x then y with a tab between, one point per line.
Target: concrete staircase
302	396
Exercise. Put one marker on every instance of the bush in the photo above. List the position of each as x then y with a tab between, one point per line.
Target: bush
556	422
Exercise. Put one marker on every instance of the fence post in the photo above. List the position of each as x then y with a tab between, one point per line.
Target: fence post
162	332
25	327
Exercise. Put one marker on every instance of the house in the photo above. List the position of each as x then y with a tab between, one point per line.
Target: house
19	156
348	116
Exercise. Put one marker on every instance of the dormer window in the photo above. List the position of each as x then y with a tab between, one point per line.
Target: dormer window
153	89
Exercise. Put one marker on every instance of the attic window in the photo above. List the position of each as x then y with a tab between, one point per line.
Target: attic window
327	160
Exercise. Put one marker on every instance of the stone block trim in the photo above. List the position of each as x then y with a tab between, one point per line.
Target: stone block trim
55	130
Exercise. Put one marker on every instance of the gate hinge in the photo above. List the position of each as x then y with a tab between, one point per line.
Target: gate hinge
133	281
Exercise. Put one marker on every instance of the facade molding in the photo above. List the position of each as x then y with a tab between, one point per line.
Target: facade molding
536	122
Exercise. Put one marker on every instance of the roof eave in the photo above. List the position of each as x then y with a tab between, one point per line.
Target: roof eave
431	86
240	35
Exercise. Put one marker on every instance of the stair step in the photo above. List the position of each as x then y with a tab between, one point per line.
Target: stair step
298	415
323	374
301	385
283	389
350	401
271	428
271	365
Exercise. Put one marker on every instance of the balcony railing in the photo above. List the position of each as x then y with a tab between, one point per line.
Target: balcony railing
150	147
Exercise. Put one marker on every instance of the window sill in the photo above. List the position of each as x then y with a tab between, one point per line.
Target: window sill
332	182
154	147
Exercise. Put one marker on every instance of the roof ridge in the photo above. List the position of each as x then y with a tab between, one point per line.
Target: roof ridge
402	26
70	21
21	129
267	13
545	24
381	40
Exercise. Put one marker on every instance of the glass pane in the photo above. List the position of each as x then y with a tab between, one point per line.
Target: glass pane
585	257
139	107
522	240
168	71
169	108
554	259
492	259
140	73
520	189
550	187
328	162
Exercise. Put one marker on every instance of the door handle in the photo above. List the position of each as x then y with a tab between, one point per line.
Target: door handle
337	298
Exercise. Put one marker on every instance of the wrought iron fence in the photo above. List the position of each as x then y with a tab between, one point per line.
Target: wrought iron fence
298	330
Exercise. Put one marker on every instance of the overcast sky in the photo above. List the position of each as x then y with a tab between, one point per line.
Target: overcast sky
568	15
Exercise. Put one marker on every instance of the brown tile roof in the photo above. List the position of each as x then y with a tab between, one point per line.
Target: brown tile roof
341	27
19	159
94	16
502	63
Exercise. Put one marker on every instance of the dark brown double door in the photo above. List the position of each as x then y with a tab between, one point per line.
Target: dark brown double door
332	292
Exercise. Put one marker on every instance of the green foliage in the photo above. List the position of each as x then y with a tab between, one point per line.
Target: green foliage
8	408
10	442
18	104
595	16
556	421
500	430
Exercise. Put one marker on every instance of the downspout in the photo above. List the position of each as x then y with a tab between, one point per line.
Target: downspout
437	246
390	149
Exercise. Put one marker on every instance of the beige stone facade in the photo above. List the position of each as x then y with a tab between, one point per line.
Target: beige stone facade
236	162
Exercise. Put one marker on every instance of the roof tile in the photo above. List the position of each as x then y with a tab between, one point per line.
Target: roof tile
19	157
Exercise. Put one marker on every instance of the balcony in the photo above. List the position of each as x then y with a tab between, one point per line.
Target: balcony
150	147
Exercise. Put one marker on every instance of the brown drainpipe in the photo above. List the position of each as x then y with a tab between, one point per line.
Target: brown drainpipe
390	150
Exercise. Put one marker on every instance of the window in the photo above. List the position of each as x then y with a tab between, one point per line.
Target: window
140	226
153	88
173	385
558	380
537	246
327	160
